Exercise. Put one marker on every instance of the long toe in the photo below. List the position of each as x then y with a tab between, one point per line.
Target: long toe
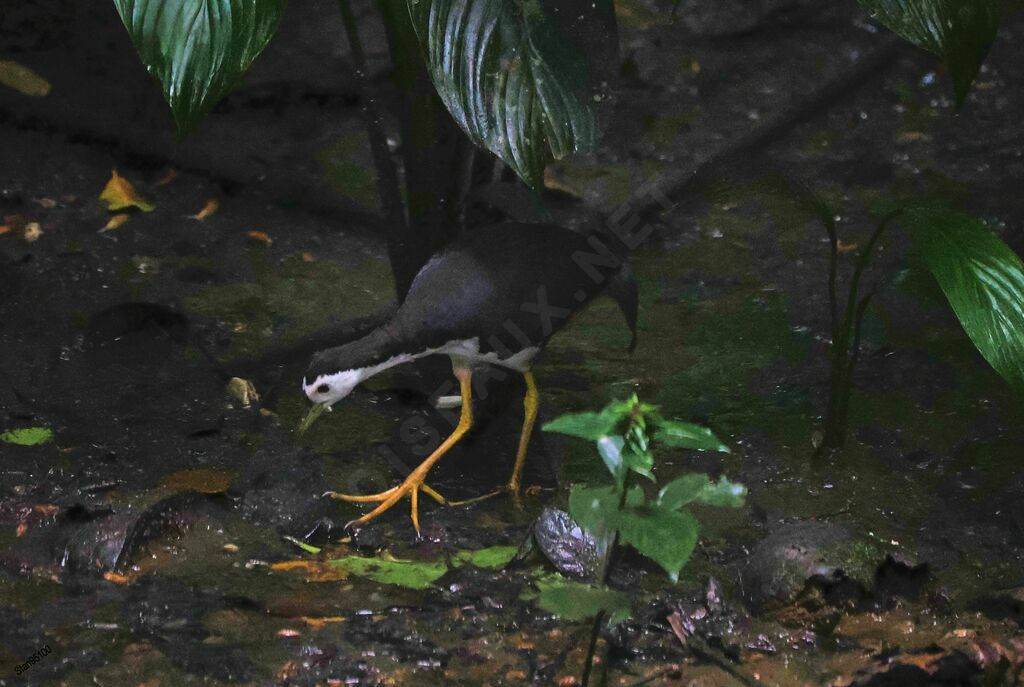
369	498
384	496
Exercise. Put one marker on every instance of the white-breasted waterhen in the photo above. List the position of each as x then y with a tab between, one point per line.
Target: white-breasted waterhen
494	297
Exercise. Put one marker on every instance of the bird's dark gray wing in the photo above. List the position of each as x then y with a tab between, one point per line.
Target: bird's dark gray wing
511	285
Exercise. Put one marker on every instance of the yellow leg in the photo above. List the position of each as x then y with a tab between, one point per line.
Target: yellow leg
530	415
530	402
415	481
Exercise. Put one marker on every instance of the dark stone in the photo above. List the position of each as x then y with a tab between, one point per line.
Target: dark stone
571	549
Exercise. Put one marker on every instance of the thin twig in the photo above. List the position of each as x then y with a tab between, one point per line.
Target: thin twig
704	651
588	664
833	270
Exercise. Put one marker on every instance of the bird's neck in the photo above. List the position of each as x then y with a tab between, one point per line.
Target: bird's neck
377	351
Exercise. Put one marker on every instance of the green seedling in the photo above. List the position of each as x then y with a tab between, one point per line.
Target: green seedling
659	527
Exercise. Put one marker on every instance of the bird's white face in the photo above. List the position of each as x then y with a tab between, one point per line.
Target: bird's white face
328	389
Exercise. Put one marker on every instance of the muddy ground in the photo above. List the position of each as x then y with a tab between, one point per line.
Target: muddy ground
144	542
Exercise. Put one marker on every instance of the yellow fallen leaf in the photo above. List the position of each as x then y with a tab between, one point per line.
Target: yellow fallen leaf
119	194
261	236
116	578
32	232
211	207
116	222
22	79
243	390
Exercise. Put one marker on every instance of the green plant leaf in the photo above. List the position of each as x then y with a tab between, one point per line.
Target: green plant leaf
640	462
517	76
308	548
682	491
959	31
491	557
27	436
576	601
411	574
593	426
982	278
687	435
596	509
198	49
665	536
722	493
610	449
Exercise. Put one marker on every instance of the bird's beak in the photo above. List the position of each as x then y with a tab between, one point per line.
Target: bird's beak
316	411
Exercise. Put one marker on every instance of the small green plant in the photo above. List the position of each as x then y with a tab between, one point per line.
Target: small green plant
980	275
660	528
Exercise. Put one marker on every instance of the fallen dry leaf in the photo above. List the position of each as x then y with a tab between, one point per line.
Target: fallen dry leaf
317	623
243	390
116	222
842	247
261	236
913	137
48	203
32	232
212	205
202	480
314	571
119	194
5	229
308	257
22	79
116	578
171	175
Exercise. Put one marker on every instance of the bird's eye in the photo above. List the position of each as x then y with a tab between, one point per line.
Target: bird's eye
323	388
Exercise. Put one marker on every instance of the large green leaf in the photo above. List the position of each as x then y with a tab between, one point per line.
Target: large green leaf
517	75
593	426
698	488
596	509
959	31
687	435
983	280
198	49
665	536
27	436
576	601
412	574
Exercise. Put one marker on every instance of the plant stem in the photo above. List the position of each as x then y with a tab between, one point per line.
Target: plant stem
606	564
429	148
588	664
387	174
844	360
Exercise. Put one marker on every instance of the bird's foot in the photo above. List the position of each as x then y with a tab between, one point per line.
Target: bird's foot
412	485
